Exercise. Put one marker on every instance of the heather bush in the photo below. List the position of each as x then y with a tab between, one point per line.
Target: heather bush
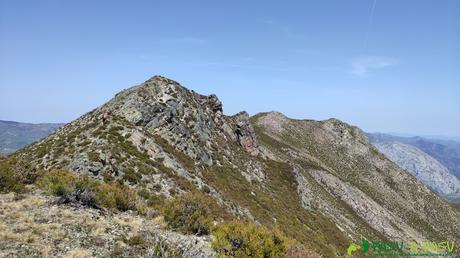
9	180
15	173
191	213
59	183
88	191
115	196
242	239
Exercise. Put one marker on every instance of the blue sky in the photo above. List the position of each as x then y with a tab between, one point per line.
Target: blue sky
385	65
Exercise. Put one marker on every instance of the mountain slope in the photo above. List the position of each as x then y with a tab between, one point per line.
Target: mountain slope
339	158
422	166
445	151
321	183
15	135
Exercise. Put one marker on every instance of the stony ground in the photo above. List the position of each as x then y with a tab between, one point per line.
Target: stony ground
34	225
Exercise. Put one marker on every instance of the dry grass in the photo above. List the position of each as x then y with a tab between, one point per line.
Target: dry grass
33	226
78	253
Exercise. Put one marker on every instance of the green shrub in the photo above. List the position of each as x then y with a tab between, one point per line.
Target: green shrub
108	177
136	240
9	180
93	156
240	239
131	176
85	191
15	173
191	213
59	182
88	191
115	196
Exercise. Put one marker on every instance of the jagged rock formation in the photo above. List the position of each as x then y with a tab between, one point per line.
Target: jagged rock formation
321	182
424	167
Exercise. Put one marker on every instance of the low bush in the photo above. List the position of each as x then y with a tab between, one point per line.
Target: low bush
15	173
9	180
191	213
88	191
115	196
131	176
136	240
151	199
242	239
59	183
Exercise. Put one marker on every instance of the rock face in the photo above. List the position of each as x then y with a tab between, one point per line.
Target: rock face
245	133
321	182
187	120
424	167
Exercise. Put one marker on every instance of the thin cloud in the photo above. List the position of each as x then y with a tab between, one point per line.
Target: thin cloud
369	25
362	66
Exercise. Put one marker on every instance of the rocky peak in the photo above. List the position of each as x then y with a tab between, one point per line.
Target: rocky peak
159	110
273	121
187	120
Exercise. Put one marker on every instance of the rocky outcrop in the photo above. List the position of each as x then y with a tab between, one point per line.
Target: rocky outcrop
245	133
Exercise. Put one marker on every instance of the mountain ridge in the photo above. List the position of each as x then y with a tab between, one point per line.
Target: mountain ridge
321	182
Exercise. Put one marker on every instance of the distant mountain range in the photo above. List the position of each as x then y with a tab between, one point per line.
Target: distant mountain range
434	162
15	135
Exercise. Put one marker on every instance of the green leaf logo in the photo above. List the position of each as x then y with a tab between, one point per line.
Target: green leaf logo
366	245
352	248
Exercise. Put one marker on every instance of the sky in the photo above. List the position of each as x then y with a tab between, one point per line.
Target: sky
382	65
